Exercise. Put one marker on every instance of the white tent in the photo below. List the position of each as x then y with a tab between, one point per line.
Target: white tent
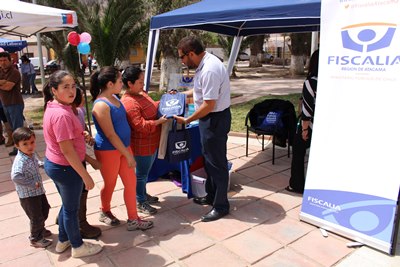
25	19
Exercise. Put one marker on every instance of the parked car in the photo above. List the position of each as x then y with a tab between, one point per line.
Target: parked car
243	56
267	58
51	66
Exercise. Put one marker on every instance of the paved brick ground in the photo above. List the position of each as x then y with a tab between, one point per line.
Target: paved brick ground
262	229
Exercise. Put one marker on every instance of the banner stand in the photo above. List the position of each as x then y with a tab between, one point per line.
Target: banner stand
352	182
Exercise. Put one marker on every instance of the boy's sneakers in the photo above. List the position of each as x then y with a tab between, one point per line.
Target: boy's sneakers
139	224
86	249
151	199
62	246
146	208
42	243
108	218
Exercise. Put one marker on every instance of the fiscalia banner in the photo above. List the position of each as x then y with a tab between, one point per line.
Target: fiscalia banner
353	176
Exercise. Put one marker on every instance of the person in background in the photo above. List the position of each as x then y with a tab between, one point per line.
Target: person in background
10	94
64	161
32	78
89	61
302	138
7	128
211	95
145	132
25	71
112	147
28	183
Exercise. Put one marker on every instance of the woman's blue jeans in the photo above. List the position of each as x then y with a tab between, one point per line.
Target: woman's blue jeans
143	166
69	185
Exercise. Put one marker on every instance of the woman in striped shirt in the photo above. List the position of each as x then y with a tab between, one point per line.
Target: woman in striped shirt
302	138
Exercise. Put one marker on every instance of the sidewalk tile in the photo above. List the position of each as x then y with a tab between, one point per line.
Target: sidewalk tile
223	228
252	245
326	251
144	255
257	212
288	258
215	256
284	229
185	242
39	258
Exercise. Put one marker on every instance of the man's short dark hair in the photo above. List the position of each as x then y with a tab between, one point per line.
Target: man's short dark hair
22	134
5	54
191	44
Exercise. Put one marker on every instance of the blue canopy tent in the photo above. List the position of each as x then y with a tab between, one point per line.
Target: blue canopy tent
12	46
236	18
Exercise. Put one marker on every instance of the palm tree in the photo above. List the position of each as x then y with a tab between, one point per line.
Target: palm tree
114	25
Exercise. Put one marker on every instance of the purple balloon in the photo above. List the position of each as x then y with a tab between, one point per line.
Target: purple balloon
85	37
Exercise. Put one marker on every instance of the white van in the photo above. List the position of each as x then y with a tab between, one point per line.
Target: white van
35	62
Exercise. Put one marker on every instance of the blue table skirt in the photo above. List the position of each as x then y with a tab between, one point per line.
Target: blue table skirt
161	167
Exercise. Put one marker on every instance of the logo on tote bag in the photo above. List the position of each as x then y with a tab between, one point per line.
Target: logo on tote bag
180	148
172	102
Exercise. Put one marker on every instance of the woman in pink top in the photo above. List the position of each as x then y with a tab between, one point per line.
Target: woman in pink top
65	154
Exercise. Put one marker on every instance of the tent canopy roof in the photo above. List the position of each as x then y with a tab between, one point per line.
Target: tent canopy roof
12	45
243	17
26	19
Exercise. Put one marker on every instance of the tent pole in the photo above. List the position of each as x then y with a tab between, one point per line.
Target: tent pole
152	44
314	42
82	72
39	45
237	40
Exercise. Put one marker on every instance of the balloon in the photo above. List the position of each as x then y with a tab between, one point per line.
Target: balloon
73	38
85	37
84	48
1	49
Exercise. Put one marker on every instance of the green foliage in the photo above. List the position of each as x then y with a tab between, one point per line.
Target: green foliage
156	95
114	25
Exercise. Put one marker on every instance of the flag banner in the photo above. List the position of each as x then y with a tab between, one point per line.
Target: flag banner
352	181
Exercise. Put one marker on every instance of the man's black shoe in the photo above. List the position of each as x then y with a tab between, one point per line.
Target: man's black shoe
14	152
202	201
214	215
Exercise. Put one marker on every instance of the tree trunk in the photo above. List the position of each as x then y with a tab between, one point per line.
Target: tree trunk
297	65
253	62
299	47
169	65
256	47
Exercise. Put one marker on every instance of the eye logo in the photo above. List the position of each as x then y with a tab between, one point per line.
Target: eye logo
368	216
367	37
180	145
172	102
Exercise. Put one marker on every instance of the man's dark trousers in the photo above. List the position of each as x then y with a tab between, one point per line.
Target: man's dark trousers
214	129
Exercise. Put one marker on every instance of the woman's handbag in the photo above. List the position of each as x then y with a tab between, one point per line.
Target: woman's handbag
178	145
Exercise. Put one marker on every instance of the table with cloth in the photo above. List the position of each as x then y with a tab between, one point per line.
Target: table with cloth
161	167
